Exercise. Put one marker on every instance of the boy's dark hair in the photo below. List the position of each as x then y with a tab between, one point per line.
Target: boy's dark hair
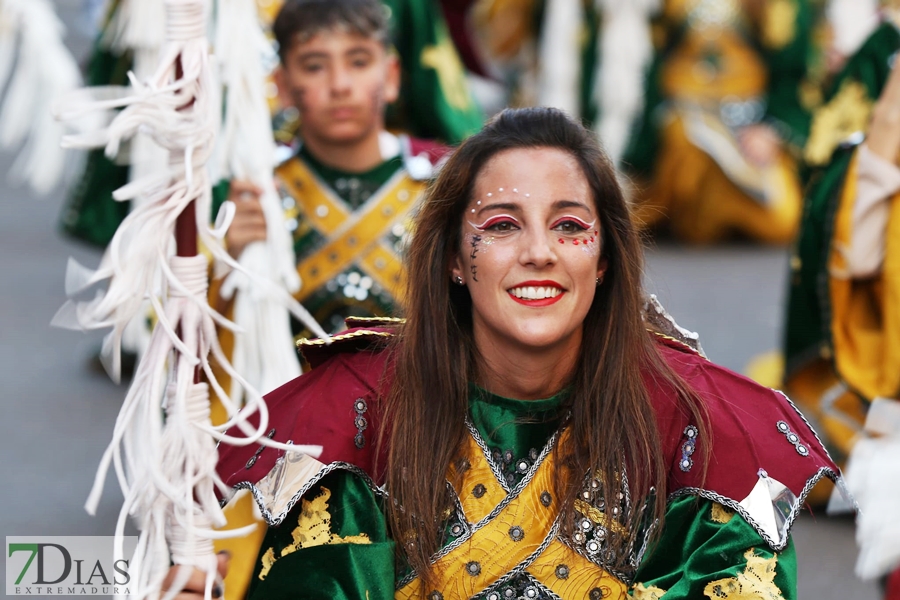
300	20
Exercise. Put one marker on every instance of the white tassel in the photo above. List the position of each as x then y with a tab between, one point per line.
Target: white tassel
264	352
44	71
624	54
873	478
559	56
166	467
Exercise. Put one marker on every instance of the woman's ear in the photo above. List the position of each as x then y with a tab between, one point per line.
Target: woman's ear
392	78
602	265
456	270
284	94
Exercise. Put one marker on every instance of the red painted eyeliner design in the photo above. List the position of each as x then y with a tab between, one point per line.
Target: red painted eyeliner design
493	221
576	220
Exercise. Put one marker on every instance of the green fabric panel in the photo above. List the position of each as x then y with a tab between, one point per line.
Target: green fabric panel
808	321
90	214
369	181
694	550
220	193
425	106
339	570
870	64
517	425
788	67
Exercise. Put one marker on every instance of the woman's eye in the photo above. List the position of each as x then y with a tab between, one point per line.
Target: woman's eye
570	227
500	226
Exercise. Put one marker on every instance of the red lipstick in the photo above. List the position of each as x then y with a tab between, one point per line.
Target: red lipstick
542	301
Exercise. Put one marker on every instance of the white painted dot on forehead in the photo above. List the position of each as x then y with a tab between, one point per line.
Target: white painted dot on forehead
473	210
515	190
489	194
500	190
528	195
478	203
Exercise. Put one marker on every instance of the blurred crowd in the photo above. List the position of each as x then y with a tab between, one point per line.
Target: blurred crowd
773	121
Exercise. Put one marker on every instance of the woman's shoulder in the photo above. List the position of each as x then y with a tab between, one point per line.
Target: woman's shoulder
336	405
764	458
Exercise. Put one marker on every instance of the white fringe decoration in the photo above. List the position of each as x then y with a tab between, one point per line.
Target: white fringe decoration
31	41
623	56
264	353
873	478
559	56
166	467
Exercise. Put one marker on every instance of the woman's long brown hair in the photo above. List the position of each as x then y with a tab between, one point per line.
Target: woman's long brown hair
612	421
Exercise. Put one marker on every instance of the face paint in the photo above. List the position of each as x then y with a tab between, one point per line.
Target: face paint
473	240
494	221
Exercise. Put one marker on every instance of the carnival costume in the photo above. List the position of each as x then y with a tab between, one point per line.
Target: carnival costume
841	331
349	228
842	343
724	536
722	66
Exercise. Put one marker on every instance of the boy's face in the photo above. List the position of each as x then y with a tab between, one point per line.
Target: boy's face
340	82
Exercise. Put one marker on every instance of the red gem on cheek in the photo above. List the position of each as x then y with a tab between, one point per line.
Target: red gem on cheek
575	242
561	241
592	239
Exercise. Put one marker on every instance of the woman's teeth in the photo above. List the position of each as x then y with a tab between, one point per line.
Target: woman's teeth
535	293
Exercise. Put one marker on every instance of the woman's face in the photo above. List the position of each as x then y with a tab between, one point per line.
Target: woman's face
530	250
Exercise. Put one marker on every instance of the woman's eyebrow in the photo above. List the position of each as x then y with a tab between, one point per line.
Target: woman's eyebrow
499	205
571	204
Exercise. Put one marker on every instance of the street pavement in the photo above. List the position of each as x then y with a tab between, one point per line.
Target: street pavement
58	413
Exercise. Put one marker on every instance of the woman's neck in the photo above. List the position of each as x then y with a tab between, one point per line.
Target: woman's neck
513	371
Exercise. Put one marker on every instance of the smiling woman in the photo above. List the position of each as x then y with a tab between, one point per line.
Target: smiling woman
535	428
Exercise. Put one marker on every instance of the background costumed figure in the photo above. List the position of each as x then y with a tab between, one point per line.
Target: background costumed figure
842	346
714	151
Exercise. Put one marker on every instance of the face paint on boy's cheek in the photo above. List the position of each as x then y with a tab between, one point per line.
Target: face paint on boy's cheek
298	96
376	101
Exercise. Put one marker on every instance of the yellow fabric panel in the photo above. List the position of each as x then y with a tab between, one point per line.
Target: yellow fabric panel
496	551
504	25
865	315
492	547
703	206
779	23
478	474
583	575
217	413
352	236
244	550
687	75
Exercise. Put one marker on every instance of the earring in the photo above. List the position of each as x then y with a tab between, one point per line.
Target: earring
600	280
459	280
